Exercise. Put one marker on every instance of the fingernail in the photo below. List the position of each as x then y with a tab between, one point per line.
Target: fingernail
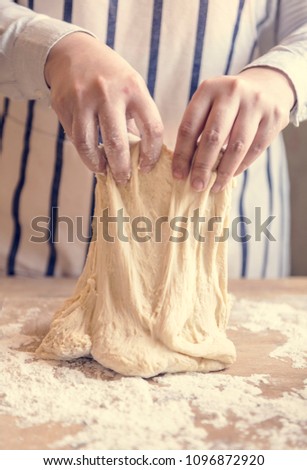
124	179
198	184
178	173
216	188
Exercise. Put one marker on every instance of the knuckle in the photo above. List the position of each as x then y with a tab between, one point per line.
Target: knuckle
82	145
121	175
180	158
235	84
78	91
137	80
280	116
186	129
277	114
257	98
114	143
88	155
201	167
154	130
212	137
180	162
224	175
134	84
238	146
257	148
149	157
205	84
102	86
148	160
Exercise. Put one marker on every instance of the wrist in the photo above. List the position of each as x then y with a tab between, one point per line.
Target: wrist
62	50
271	76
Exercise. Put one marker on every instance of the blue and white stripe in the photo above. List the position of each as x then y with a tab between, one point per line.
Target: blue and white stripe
173	62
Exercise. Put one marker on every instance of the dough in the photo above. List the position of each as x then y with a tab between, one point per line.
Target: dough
149	301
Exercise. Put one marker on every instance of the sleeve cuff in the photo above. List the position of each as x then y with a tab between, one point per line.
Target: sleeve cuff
30	52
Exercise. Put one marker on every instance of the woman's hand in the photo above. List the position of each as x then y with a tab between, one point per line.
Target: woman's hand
92	87
241	114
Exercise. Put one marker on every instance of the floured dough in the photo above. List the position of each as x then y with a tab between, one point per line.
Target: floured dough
147	307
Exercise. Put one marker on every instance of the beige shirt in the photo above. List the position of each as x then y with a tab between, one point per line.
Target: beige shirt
174	46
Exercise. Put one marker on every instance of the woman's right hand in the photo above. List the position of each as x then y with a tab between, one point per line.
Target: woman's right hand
93	87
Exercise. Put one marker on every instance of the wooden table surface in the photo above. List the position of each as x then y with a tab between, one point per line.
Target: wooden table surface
252	349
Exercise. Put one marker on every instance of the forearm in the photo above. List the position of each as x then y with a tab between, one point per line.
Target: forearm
25	41
289	56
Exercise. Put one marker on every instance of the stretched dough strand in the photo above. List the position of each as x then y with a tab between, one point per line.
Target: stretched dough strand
148	307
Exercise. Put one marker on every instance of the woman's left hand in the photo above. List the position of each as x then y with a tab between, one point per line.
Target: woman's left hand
241	114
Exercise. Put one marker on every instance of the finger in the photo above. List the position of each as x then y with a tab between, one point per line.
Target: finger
242	134
149	123
217	129
266	132
116	144
84	135
64	112
191	126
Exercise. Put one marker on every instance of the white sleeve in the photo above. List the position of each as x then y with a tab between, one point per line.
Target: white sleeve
25	41
290	54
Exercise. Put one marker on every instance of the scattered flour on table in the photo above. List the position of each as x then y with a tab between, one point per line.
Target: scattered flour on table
160	413
290	321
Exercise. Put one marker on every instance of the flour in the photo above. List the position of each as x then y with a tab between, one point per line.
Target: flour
189	411
155	303
264	316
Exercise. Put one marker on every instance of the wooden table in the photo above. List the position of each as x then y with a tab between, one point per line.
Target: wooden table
253	357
